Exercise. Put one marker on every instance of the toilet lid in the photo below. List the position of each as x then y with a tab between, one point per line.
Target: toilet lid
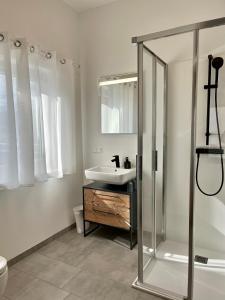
3	265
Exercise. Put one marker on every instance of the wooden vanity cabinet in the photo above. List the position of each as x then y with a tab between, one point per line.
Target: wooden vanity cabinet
111	205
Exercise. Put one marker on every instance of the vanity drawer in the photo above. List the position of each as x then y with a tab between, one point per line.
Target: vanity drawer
107	208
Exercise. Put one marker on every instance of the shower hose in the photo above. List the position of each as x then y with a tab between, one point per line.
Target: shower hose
221	155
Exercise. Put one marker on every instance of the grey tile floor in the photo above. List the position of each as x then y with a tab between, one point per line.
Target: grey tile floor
76	268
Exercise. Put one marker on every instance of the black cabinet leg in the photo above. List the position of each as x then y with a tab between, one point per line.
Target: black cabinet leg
131	239
86	233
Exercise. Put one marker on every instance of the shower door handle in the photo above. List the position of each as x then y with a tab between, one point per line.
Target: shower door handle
155	161
139	166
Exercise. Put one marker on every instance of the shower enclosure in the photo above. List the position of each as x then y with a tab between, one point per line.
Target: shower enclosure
181	232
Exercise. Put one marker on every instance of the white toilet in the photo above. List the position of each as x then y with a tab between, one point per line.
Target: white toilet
3	275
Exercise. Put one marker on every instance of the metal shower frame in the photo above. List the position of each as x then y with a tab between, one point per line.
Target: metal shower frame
194	28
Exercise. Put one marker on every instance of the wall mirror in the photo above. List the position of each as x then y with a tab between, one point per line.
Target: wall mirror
118	94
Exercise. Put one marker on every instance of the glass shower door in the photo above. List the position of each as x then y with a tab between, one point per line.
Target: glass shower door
147	183
154	118
153	159
154	143
163	254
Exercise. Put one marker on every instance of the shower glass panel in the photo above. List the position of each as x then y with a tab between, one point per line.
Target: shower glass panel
161	84
181	229
181	251
154	77
147	155
209	271
167	103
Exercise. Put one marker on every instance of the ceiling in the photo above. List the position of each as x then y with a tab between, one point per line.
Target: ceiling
83	5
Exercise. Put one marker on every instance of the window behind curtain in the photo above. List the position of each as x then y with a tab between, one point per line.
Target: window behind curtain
37	112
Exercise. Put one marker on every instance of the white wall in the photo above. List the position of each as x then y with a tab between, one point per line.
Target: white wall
106	49
32	214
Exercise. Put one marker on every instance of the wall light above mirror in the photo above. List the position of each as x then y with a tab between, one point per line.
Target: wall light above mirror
118	94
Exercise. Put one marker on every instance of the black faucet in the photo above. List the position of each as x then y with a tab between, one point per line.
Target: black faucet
117	160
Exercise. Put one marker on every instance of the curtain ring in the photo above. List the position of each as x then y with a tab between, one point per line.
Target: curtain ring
17	43
32	49
48	55
63	61
2	37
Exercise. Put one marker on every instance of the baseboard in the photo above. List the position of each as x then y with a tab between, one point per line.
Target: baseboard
14	260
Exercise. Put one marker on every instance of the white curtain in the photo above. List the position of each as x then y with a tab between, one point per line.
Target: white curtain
8	137
23	113
119	108
37	111
51	114
66	93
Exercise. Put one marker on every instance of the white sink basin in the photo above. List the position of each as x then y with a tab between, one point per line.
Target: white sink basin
110	175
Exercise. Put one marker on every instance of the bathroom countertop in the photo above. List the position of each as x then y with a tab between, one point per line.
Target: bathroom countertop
128	188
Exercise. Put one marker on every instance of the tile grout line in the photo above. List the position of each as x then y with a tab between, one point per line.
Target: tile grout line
47	253
46	281
35	248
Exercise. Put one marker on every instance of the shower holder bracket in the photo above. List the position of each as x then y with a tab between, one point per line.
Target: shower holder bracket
211	86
